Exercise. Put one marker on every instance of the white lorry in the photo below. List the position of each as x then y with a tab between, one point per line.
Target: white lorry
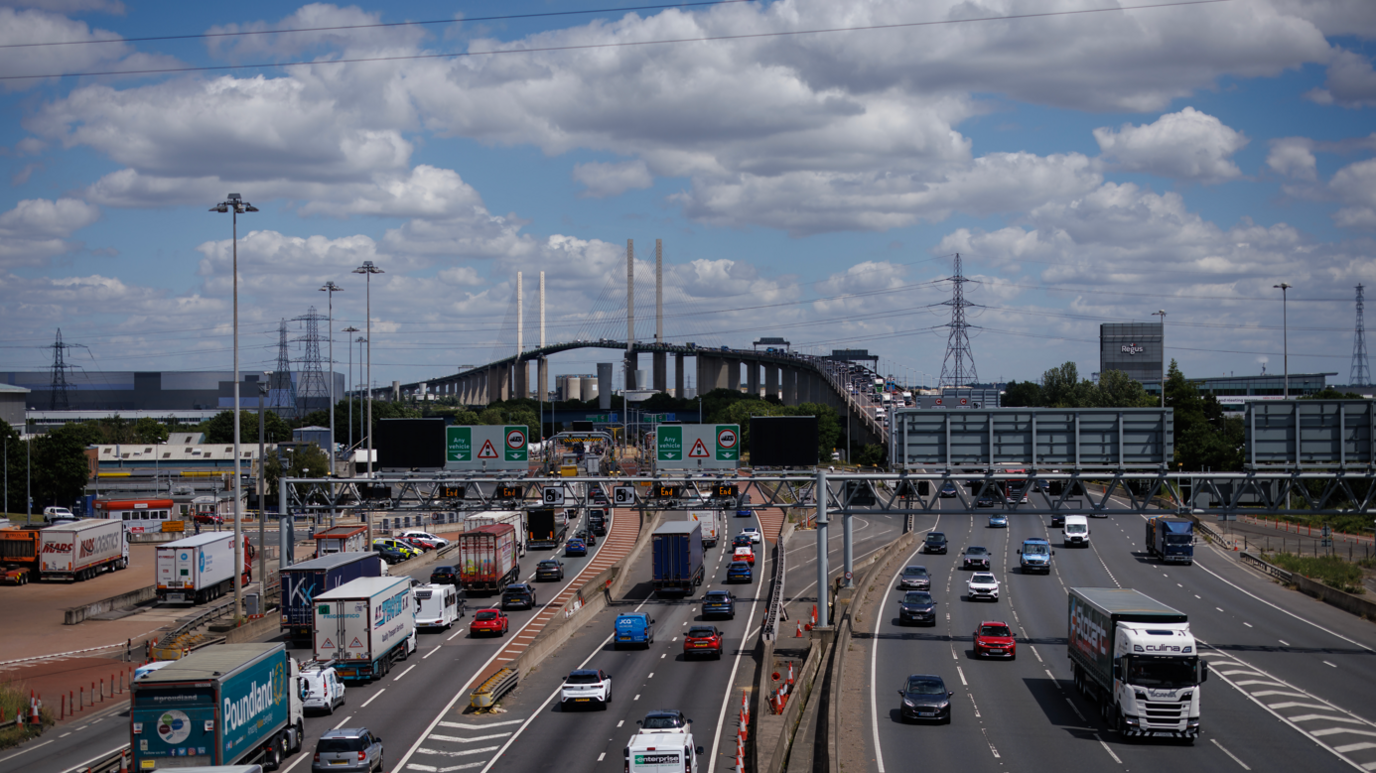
664	744
199	568
517	519
1137	659
364	626
81	550
712	522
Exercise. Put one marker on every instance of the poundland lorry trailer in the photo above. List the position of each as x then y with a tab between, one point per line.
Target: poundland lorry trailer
364	626
1171	539
1137	658
302	582
223	705
199	568
81	550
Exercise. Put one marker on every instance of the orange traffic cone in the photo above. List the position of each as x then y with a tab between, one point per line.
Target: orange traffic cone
799	633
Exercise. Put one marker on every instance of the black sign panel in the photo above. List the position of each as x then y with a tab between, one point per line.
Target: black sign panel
726	490
508	492
446	491
375	492
665	491
783	441
410	444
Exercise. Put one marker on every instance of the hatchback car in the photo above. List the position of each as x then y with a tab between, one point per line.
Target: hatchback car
210	518
323	689
588	537
744	554
575	547
347	748
917	606
925	698
425	537
975	557
519	596
915	578
401	546
935	543
549	570
998	521
983	585
718	602
702	640
444	575
741	541
390	554
492	621
993	639
739	571
586	687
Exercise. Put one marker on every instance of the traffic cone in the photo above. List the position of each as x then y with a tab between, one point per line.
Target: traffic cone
799	633
745	708
814	614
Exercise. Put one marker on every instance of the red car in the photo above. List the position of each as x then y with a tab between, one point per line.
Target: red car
702	640
419	543
744	554
994	640
489	621
210	518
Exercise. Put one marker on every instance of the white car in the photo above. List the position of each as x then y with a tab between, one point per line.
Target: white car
585	687
754	532
983	585
439	541
324	689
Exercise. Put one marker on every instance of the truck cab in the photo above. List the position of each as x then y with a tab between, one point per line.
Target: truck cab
634	628
1075	531
1035	556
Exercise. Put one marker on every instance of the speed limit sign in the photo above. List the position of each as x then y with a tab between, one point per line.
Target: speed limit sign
554	496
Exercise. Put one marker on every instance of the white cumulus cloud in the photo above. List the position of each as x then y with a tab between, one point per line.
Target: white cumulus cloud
1188	145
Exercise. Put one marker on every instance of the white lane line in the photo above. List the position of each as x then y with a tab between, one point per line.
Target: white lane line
483	726
874	657
398	677
601	756
431	652
962	676
456	633
345	720
50	740
370	700
1110	752
1249	625
620	723
1326	663
475	739
1219	608
1326	718
463	753
1230	754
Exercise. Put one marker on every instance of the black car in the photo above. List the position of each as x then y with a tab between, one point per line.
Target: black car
986	500
935	543
917	606
948	489
389	554
925	698
518	596
444	575
588	537
548	570
718	602
1058	519
975	557
742	541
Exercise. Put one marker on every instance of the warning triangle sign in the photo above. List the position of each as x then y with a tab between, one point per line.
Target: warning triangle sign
488	451
698	451
355	644
328	645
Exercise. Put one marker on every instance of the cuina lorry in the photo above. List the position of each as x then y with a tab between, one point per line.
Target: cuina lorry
1138	660
200	568
81	550
302	582
223	705
677	551
364	626
487	558
1171	539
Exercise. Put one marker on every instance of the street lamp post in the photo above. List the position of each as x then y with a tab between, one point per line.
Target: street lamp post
360	341
262	474
347	393
367	270
235	204
330	289
1162	315
1284	334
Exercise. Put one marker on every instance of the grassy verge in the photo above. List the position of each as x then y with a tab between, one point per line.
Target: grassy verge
14	698
1329	570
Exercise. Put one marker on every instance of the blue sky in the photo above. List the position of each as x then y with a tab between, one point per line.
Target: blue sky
1088	167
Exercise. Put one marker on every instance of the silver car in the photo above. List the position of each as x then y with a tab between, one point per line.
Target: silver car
915	578
348	749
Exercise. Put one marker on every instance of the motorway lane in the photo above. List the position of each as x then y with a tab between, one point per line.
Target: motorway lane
398	706
534	734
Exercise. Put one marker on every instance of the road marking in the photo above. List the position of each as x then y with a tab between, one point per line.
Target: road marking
1038	654
1230	754
1326	663
637	697
601	756
1110	752
620	723
431	652
1286	611
370	700
972	703
1249	625
475	739
1196	595
1219	608
345	720
398	677
483	726
651	676
1283	642
463	753
962	676
456	633
874	656
45	743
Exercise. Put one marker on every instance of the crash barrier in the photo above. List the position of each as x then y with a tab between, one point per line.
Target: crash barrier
1347	602
497	685
794	698
74	615
769	630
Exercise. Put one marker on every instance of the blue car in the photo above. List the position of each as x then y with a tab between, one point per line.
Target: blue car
998	521
739	571
575	547
718	602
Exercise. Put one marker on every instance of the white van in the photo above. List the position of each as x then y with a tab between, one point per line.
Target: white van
1075	531
437	606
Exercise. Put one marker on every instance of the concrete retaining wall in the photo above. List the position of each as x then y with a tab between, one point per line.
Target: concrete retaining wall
74	615
1347	602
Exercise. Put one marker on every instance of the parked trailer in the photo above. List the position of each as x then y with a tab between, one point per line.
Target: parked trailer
1171	539
302	582
547	528
677	550
81	550
222	705
1136	658
364	626
487	558
200	568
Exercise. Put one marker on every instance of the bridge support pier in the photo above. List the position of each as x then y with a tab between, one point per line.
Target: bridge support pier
733	375
522	378
542	379
790	377
492	385
771	380
752	379
632	362
661	371
678	376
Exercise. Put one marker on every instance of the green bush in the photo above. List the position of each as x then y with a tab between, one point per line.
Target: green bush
14	699
1329	570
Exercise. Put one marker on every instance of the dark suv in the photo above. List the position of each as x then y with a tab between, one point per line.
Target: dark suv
518	597
348	748
935	543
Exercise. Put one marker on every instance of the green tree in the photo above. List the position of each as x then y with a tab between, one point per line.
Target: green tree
220	428
1022	394
1117	389
150	430
1204	439
307	461
491	417
1062	387
61	467
871	455
12	498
